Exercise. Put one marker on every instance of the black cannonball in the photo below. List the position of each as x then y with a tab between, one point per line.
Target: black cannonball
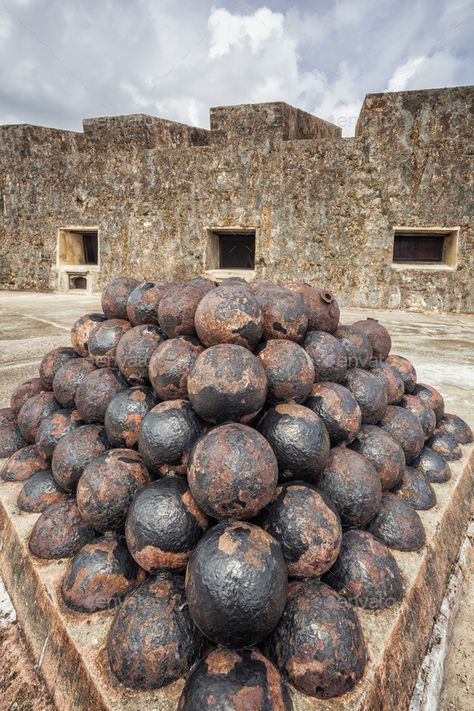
432	465
115	297
72	454
53	428
456	427
104	339
96	391
405	428
423	411
23	463
125	413
228	316
177	309
39	492
24	392
283	312
415	488
143	302
393	380
328	356
370	393
405	369
59	532
289	371
321	307
378	336
52	362
11	438
383	451
68	378
398	525
170	364
33	412
134	352
356	343
445	444
338	409
431	397
82	329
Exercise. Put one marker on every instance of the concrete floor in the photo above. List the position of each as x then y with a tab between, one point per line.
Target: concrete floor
440	346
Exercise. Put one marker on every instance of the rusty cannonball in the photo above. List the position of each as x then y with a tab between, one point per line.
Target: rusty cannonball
236	584
82	329
432	465
356	344
7	416
445	444
134	352
153	640
22	464
39	492
167	434
370	393
394	381
170	364
456	427
378	336
366	573
100	575
321	307
96	391
328	356
299	439
164	524
405	369
11	438
225	315
416	490
67	380
74	451
24	392
230	679
284	314
398	525
33	411
107	486
431	397
318	644
142	304
177	309
351	481
307	529
125	413
423	412
59	532
405	428
115	297
338	409
232	472
227	382
53	428
204	284
104	339
289	371
383	451
52	362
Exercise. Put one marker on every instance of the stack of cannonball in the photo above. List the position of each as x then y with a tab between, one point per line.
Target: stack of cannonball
228	468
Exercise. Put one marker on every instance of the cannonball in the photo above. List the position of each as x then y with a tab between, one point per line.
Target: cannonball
134	352
378	336
398	525
321	307
445	444
142	304
405	428
284	314
7	416
164	525
125	413
226	316
104	339
236	584
227	382
405	369
289	371
96	391
423	412
11	439
153	640
68	378
74	451
167	434
59	532
338	409
370	393
24	392
204	284
431	397
366	573
52	362
176	311
318	644
231	679
170	364
385	453
456	427
394	381
328	356
308	531
356	344
232	472
39	492
107	486
22	464
33	411
416	490
432	465
115	297
353	485
299	439
100	575
82	329
53	428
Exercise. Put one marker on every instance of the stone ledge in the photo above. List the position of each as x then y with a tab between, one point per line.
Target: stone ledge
68	647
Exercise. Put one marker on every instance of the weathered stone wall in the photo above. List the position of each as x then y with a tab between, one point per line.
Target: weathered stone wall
323	206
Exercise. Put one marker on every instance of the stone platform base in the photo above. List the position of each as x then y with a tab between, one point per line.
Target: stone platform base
69	647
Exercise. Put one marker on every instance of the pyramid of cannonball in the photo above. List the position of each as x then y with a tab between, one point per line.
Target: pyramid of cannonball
228	466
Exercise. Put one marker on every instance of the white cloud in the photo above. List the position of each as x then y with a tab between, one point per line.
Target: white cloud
228	30
438	70
402	75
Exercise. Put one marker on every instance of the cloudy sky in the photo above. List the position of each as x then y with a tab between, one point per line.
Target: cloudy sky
62	60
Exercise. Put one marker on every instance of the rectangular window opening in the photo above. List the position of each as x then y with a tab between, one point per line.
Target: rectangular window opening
231	250
78	247
424	246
